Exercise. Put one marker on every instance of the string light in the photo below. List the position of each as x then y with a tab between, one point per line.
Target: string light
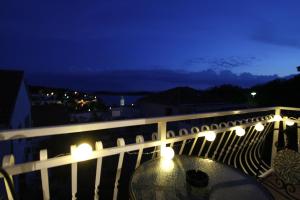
259	126
167	153
289	122
210	136
82	152
239	131
277	118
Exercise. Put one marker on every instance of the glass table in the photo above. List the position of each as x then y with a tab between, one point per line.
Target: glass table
163	179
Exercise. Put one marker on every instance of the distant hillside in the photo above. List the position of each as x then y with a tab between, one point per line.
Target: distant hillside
139	93
282	92
186	95
175	96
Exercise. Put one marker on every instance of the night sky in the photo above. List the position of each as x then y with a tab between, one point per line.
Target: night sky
150	45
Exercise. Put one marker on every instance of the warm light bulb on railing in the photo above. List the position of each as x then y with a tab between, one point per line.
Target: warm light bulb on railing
277	118
239	131
210	136
82	152
167	153
289	122
259	126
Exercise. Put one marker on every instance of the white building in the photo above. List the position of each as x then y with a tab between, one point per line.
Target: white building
15	110
15	106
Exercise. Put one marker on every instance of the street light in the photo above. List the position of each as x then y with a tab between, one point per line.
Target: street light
253	94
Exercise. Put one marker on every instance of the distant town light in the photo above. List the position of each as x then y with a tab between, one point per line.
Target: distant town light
65	94
239	131
253	94
259	126
89	110
132	104
82	152
85	95
52	93
210	136
47	94
95	97
109	108
75	92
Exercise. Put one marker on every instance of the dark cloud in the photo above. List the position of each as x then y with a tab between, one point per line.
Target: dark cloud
152	80
221	63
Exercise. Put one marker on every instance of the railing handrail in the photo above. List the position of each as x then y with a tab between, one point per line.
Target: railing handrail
83	127
67	159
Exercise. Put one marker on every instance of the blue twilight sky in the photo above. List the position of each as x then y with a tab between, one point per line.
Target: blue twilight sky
147	38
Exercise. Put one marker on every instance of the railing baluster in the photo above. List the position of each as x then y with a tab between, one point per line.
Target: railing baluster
248	154
224	147
162	133
202	146
44	175
218	146
229	148
235	148
8	160
298	134
194	130
275	135
139	139
246	146
213	126
181	133
121	143
171	134
74	175
99	147
245	138
285	139
257	154
154	137
221	125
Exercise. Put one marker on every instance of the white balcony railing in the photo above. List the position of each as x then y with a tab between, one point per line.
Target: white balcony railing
243	152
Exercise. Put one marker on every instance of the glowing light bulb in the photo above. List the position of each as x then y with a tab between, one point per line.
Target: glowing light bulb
167	153
289	122
259	126
277	118
82	152
210	136
239	131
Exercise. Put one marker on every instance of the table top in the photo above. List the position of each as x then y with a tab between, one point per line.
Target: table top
161	179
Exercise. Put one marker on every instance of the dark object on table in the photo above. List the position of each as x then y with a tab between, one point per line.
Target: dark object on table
197	178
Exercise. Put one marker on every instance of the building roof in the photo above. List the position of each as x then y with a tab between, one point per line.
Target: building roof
10	82
298	68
